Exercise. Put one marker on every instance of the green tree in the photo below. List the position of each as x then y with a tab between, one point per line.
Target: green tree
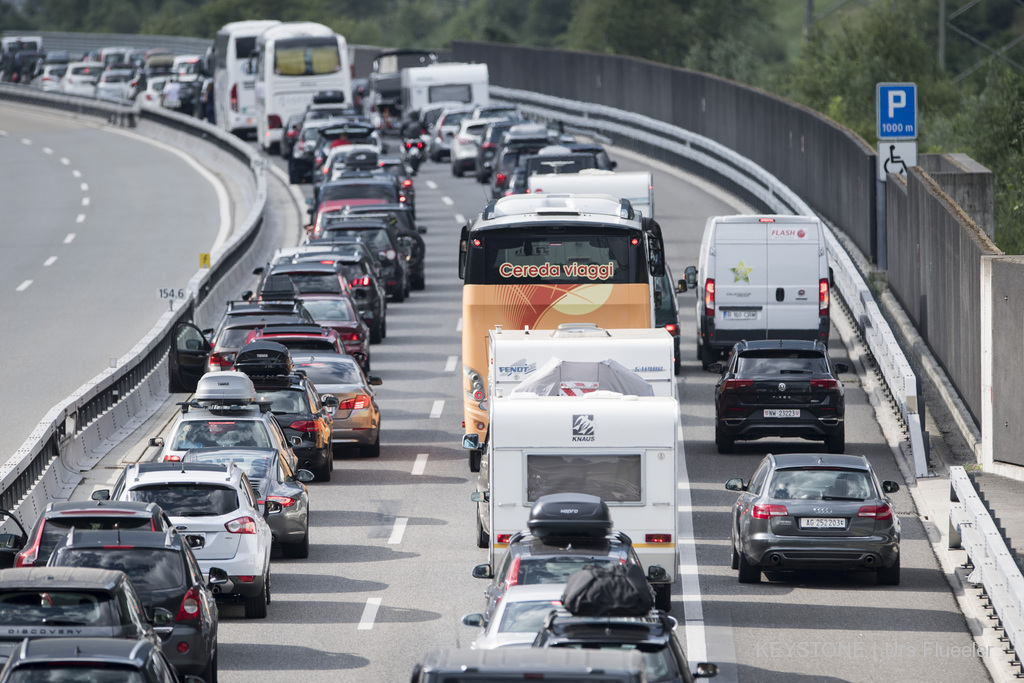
652	29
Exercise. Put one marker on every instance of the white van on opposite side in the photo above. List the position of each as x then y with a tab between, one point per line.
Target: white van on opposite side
761	277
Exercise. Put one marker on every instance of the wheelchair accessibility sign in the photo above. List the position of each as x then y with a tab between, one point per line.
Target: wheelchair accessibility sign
896	157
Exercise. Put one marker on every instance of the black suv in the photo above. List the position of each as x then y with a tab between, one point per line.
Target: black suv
381	235
64	602
90	659
170	583
304	416
652	635
780	387
666	314
402	221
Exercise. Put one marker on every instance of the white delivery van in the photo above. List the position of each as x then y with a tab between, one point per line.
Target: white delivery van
636	186
445	82
621	448
761	277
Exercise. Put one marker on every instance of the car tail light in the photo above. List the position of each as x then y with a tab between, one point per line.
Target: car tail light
658	538
672	329
318	161
242	525
234	97
28	556
172	457
407	183
348	336
363	281
273	121
733	384
824	384
489	145
502	538
408	145
292	133
248	578
709	297
769	511
189	609
499	179
285	501
823	296
419	144
305	425
879	512
401	198
513	573
360	402
220	360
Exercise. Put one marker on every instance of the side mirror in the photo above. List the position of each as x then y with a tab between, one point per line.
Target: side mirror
375	381
706	670
690	273
716	368
421	229
482	571
217	577
157	442
613	164
246	295
890	486
480	496
305	476
735	484
330	400
656	573
471	442
841	367
101	494
272	507
258	271
473	620
681	286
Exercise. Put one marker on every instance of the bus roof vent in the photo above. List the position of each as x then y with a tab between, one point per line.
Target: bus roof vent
577	330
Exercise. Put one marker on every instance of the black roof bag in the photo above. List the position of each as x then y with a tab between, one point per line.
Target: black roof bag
619	591
569	515
264	358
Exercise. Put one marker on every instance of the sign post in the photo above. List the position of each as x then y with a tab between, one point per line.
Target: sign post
896	126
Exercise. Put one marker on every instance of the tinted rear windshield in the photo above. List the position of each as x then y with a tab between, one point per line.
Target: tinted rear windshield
782	362
189	500
98	673
286	400
377	238
821	484
331	373
57	608
329	309
56	530
328	283
221	433
333	193
150	569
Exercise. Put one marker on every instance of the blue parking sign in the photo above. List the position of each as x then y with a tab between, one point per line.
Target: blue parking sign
897	111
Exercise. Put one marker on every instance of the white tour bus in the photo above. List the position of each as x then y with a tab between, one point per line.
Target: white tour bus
234	94
293	61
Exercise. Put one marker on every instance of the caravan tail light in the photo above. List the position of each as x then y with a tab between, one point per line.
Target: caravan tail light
658	538
234	97
823	296
273	121
709	297
502	538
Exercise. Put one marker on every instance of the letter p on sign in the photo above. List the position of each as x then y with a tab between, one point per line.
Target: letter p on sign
897	100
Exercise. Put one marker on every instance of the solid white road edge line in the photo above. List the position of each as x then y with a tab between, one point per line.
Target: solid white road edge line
436	410
420	465
449	366
23	286
398	531
696	642
369	614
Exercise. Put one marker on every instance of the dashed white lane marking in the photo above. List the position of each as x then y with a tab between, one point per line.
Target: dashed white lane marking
436	410
458	325
80	218
398	531
369	614
23	286
47	150
71	236
448	201
696	639
420	465
85	201
65	161
76	173
431	184
26	141
85	187
3	133
460	219
50	261
450	365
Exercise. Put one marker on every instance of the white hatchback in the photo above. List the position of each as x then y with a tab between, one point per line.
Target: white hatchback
80	78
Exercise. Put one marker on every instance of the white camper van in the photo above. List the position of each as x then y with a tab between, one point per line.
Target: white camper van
446	82
636	186
761	277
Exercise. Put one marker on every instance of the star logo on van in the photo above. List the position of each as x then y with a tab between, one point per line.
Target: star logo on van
741	272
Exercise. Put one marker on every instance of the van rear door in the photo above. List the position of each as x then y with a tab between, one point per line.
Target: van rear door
741	280
793	273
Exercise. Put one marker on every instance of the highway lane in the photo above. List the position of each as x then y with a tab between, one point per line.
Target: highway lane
94	220
393	538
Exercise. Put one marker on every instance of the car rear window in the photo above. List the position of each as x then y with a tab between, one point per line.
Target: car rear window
314	283
329	309
658	660
380	191
527	616
188	500
286	400
318	344
96	673
233	337
331	373
255	467
221	433
150	569
557	569
821	484
781	362
56	530
56	607
376	237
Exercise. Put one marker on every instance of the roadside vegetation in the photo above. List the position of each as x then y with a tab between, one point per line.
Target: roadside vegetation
972	103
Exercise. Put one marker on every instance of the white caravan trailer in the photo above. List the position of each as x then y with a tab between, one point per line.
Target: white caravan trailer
445	82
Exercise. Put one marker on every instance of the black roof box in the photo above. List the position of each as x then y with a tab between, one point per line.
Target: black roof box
561	515
278	288
263	358
328	97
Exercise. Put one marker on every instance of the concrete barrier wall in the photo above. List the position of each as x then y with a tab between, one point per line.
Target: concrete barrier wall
1003	315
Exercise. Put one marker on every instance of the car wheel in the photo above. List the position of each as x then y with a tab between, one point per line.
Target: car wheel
748	572
456	170
889	576
483	539
475	456
293	177
399	296
663	597
836	443
707	355
373	450
677	366
297	551
377	332
324	473
210	674
724	442
256	606
384	328
734	559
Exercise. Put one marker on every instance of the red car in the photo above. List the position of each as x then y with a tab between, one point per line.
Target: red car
317	339
339	314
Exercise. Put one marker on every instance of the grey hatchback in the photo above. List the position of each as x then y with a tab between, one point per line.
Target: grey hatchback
815	511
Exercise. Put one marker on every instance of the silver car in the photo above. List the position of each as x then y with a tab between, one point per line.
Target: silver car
357	417
815	511
519	616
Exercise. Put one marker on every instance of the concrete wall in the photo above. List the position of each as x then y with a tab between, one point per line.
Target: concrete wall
968	183
1002	427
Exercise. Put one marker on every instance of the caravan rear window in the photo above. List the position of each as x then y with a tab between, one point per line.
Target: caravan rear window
450	93
612	478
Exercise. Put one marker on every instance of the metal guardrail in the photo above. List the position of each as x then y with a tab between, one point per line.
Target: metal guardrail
76	432
994	568
749	181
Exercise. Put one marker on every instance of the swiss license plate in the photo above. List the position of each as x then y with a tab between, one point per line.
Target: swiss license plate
822	523
781	412
739	315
